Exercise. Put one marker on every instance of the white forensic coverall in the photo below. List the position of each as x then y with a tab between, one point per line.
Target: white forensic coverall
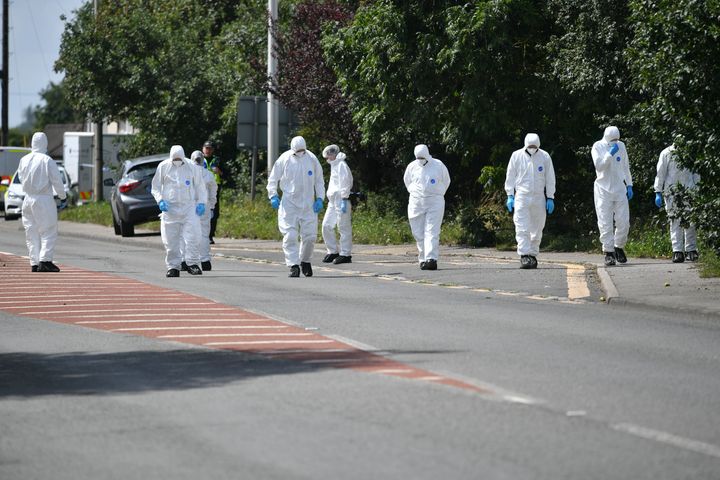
182	187
339	186
300	178
611	202
669	173
212	188
531	179
40	176
426	179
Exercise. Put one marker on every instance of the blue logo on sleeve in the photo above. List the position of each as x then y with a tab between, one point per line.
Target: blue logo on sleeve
310	172
432	181
540	168
617	158
187	182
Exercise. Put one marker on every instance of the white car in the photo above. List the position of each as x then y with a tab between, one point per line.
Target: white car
15	195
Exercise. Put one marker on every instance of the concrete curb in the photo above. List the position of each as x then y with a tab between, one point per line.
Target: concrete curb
611	292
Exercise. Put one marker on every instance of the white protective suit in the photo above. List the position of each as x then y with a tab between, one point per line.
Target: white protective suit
669	173
212	188
182	187
339	186
531	179
40	177
426	179
611	202
300	178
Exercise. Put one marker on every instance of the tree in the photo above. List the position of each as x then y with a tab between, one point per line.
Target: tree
57	108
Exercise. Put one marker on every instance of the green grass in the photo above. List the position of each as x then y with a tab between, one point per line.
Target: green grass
98	213
709	264
649	241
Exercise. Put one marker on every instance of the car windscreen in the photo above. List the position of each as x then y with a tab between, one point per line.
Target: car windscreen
142	171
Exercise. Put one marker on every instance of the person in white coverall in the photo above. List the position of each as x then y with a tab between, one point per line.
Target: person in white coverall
211	186
40	176
670	174
530	187
300	177
179	189
426	179
339	210
613	189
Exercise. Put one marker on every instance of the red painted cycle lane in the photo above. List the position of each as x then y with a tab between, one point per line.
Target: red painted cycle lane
117	304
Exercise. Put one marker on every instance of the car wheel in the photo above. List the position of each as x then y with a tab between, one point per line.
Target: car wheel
116	226
127	229
10	217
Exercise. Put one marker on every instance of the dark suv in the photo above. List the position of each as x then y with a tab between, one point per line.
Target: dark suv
131	200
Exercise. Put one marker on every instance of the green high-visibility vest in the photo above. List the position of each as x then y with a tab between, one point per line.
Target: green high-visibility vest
211	164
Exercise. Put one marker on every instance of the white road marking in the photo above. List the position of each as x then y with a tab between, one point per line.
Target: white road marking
208	335
209	327
268	342
313	351
175	320
146	315
189	311
342	360
104	304
669	439
576	281
394	370
94	296
430	378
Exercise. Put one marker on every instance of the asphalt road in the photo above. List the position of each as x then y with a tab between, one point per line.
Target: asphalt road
564	389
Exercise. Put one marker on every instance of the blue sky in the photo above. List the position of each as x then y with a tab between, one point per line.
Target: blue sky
35	30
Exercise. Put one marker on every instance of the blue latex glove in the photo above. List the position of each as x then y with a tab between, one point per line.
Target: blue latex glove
550	205
614	149
275	202
63	204
510	203
163	206
343	207
658	199
629	192
318	205
200	209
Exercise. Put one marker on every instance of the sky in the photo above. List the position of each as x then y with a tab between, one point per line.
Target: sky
35	31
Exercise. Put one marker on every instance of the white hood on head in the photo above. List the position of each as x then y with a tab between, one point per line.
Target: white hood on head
176	151
611	133
532	139
297	143
39	142
330	150
197	155
421	151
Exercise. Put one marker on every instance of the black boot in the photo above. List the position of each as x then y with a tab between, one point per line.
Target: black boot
33	268
294	271
422	265
620	255
48	267
306	268
525	262
533	261
173	272
206	266
678	257
194	270
609	259
692	256
330	257
342	259
184	267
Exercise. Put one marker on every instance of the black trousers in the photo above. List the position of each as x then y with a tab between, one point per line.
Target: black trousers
216	214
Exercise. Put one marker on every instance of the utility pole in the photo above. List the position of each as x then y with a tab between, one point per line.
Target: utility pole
98	160
272	108
5	70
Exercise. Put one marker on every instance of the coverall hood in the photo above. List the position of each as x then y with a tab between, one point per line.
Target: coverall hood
297	144
532	139
611	133
198	158
39	142
177	151
421	151
330	150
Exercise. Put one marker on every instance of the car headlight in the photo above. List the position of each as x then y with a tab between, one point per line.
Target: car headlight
14	195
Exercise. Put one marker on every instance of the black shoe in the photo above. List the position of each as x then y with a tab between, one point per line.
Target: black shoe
47	267
206	266
692	256
194	270
342	259
33	268
212	241
525	262
183	267
620	255
306	268
294	271
678	257
330	257
422	265
173	272
533	261
430	264
609	259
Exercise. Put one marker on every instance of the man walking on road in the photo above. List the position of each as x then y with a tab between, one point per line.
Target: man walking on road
300	177
339	210
40	176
